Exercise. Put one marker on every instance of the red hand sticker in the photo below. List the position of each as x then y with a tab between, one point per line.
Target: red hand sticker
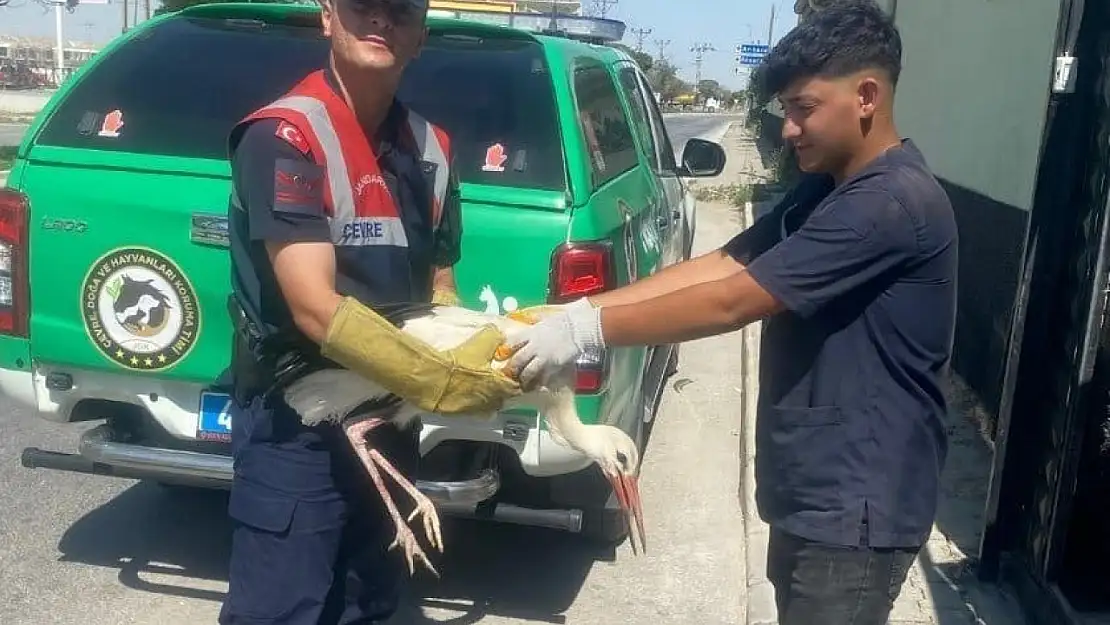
112	123
495	158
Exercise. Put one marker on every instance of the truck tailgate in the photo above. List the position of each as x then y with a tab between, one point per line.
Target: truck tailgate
125	276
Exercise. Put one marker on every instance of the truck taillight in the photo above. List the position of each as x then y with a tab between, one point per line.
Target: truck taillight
14	291
580	270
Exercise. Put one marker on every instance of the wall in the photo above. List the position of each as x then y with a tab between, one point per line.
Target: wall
973	97
22	103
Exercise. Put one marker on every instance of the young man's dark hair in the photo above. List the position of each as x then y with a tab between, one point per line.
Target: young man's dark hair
842	37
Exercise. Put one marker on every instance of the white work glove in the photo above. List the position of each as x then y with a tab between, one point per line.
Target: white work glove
555	343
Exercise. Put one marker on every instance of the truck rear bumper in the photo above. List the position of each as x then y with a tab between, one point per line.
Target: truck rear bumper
100	453
175	407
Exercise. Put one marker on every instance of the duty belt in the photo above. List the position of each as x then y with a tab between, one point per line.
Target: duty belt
262	365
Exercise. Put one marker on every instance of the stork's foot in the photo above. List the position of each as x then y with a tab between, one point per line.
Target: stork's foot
411	549
627	489
372	459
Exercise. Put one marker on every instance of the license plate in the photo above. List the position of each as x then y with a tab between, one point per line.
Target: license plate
214	423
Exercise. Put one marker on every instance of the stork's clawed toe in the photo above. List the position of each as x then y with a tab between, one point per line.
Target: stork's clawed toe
427	509
406	540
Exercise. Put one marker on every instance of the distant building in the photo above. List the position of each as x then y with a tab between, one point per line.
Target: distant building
562	7
32	59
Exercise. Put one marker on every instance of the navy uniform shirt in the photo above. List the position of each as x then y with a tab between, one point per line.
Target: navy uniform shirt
279	210
851	417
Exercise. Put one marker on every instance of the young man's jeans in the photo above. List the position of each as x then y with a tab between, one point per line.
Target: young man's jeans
821	584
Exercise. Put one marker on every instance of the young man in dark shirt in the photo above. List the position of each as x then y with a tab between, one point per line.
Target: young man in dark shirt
855	275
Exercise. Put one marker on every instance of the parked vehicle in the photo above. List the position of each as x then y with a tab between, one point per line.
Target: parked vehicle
114	235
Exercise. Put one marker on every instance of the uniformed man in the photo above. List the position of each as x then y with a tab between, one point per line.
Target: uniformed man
342	200
855	274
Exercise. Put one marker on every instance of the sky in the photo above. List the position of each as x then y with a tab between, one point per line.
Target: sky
723	24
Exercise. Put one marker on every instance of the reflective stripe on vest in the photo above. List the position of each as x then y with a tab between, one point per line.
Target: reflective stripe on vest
347	227
433	147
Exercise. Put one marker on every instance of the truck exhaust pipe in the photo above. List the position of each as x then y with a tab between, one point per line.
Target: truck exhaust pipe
564	520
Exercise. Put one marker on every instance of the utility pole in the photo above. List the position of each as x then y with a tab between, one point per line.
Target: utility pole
601	7
124	4
146	8
771	26
699	51
59	51
662	43
640	34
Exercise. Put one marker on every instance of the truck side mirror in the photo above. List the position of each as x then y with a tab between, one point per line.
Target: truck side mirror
701	159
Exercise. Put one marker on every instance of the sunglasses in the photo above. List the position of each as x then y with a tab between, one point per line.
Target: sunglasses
399	12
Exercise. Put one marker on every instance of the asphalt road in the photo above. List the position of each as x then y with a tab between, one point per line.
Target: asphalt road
89	550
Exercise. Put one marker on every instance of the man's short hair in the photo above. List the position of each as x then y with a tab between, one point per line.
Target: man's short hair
846	37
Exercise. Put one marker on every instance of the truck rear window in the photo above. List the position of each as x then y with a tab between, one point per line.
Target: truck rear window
182	85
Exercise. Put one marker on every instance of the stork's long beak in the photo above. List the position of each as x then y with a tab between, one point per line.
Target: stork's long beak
627	489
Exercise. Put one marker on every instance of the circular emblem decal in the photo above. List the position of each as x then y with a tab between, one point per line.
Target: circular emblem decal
139	309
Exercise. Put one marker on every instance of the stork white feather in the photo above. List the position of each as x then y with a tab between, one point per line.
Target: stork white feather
331	395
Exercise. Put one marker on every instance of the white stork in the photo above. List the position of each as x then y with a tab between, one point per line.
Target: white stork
332	395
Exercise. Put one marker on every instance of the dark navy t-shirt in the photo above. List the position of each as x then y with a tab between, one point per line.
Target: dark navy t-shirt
851	417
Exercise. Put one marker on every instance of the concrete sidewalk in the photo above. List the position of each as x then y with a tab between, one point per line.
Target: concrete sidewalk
941	588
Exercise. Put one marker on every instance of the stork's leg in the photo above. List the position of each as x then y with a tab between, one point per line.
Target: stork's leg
424	506
356	434
627	489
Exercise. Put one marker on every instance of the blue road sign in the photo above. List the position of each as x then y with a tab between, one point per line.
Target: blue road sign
751	60
754	49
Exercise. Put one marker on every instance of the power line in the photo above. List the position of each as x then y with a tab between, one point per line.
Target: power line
699	51
601	7
640	34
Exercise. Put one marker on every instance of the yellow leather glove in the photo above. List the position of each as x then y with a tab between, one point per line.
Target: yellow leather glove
457	381
445	297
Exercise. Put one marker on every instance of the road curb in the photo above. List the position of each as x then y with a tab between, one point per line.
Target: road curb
719	136
760	608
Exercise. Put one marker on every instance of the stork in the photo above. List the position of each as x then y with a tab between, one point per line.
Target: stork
341	397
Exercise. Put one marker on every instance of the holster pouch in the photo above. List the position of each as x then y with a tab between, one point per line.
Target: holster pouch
263	365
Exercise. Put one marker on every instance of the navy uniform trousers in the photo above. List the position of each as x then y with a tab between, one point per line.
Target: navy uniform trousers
310	530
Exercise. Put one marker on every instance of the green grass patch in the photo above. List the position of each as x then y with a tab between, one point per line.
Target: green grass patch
7	157
735	194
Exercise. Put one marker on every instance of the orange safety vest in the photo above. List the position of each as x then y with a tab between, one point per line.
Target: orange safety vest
361	210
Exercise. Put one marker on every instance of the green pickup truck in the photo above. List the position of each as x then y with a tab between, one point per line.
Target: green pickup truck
114	271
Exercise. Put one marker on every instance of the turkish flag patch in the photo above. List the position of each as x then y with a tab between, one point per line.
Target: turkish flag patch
292	135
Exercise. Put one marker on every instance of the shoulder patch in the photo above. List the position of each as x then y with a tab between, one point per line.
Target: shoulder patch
293	136
298	188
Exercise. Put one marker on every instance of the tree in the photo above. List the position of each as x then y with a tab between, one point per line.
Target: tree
643	60
710	89
664	79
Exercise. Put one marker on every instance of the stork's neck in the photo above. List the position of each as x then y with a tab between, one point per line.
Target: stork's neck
562	420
